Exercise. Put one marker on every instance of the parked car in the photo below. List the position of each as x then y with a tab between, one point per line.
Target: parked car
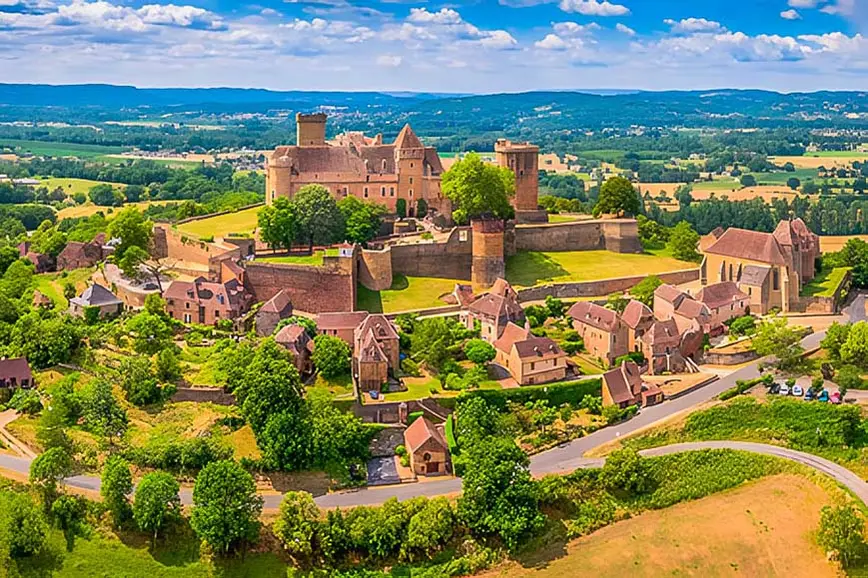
775	388
797	390
824	396
785	389
836	398
374	394
809	395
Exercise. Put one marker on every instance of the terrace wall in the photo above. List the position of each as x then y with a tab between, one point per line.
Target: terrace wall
171	244
600	287
331	287
617	235
448	260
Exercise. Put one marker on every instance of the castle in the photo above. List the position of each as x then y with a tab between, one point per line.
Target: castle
356	165
365	167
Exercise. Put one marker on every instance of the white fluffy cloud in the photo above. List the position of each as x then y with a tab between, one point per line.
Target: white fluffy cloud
593	7
691	25
389	60
790	14
625	29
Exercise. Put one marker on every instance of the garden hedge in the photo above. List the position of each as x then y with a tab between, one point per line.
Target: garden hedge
555	394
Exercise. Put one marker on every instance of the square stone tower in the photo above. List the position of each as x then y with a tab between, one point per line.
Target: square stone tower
523	160
310	129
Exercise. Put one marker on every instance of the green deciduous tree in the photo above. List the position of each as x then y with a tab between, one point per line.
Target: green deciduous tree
479	351
855	348
499	497
362	220
836	337
157	503
225	506
626	470
167	366
150	333
106	196
133	230
45	340
115	485
841	532
138	381
683	242
618	197
270	385
319	220
644	290
780	340
23	528
297	524
47	471
278	223
478	189
429	529
331	356
103	414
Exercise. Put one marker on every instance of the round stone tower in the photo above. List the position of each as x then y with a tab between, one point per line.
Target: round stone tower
488	261
278	176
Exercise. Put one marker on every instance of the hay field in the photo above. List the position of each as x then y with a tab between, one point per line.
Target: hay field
763	528
244	221
834	243
73	186
91	209
765	192
816	160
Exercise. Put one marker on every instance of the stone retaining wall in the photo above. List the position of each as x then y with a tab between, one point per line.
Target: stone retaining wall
600	287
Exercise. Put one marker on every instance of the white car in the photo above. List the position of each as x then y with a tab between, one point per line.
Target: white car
798	391
785	389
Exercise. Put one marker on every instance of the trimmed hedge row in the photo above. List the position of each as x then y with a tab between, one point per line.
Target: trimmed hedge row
741	386
556	394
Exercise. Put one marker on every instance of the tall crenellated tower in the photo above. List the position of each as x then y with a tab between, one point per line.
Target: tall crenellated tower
523	160
310	129
488	264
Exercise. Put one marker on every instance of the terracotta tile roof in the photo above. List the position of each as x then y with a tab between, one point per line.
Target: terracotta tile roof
407	139
342	320
594	315
721	294
512	334
231	294
96	295
377	325
754	275
636	313
16	368
537	347
502	288
419	432
624	383
370	350
784	234
464	294
692	309
279	304
662	332
751	245
290	334
716	232
670	294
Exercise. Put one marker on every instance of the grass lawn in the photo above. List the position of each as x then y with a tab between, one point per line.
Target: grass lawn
733	533
839	154
588	365
723	184
239	222
825	283
781	177
89	209
72	186
58	149
51	284
563	218
527	269
340	387
315	259
406	294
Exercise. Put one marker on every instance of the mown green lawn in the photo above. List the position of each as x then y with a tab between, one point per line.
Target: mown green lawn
405	294
781	177
51	284
531	268
719	184
825	283
58	149
315	259
244	221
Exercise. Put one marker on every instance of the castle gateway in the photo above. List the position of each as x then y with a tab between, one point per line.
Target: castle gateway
357	165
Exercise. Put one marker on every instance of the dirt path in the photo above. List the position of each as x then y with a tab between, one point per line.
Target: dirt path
10	440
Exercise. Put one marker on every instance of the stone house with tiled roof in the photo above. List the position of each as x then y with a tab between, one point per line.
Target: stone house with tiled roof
623	386
272	312
602	330
529	359
359	166
376	352
427	448
77	255
492	310
203	302
96	296
660	346
725	301
299	344
672	303
15	373
340	324
638	318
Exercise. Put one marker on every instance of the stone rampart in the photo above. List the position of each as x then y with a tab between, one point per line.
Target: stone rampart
617	235
331	287
375	268
451	259
174	245
600	287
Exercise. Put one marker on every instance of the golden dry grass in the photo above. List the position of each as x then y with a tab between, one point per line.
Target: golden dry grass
761	529
766	192
831	244
812	162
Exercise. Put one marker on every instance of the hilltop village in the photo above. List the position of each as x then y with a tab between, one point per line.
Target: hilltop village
377	320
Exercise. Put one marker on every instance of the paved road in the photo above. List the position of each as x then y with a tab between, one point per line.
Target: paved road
566	457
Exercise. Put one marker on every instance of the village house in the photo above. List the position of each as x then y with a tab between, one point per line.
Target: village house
427	448
660	346
529	359
492	310
769	267
601	329
96	296
15	373
341	324
272	312
77	255
206	303
42	263
623	387
638	318
299	344
725	301
672	303
355	165
376	352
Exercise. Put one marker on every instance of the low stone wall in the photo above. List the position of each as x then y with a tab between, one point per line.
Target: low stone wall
387	412
447	260
617	235
827	305
204	395
314	289
729	358
600	287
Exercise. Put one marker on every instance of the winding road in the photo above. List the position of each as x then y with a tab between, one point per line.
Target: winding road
569	456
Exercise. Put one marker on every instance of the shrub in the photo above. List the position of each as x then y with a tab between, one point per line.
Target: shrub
841	532
400	451
413	416
91	315
572	347
626	470
634	356
26	401
555	394
614	414
593	404
742	326
410	367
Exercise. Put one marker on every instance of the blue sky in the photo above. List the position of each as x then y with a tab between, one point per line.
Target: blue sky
478	46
